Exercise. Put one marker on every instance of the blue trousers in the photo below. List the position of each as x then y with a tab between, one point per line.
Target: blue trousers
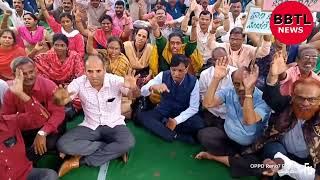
156	123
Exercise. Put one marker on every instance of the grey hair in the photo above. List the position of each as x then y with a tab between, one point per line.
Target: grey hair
20	61
303	48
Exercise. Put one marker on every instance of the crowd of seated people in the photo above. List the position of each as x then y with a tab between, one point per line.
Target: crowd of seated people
197	76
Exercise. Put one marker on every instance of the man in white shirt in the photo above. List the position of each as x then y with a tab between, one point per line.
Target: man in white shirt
17	13
176	117
205	35
103	135
215	116
235	18
95	9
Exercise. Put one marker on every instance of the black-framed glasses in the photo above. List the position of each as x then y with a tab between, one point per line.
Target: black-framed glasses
311	100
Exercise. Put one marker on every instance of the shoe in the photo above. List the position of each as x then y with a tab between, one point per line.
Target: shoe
69	165
125	157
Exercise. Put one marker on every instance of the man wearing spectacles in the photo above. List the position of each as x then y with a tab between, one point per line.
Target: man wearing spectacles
306	62
294	128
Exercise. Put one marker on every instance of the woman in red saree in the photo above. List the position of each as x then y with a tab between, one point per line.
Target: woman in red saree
76	41
59	64
106	30
8	51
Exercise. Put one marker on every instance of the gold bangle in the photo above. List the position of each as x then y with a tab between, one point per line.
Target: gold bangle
248	96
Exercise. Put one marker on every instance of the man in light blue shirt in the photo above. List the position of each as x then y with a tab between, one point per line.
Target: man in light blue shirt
176	116
246	113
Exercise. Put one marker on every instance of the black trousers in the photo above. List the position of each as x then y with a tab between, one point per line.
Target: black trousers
51	140
216	141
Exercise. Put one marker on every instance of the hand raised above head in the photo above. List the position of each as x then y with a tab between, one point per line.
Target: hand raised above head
250	76
278	64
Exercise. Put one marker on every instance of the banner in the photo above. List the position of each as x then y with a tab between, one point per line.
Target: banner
258	21
313	5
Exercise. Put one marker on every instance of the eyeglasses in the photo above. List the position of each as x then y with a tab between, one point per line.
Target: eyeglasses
311	100
308	58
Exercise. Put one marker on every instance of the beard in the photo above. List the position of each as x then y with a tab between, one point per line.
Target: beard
304	115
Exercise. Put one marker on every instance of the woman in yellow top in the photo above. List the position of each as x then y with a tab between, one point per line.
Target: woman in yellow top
116	63
139	53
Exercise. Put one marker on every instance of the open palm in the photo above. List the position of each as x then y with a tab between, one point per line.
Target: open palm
130	80
278	65
220	69
250	76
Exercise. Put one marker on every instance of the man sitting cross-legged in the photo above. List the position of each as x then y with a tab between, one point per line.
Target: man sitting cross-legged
103	135
246	118
176	115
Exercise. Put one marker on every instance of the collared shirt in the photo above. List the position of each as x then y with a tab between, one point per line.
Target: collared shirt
193	103
16	20
93	13
14	163
101	107
246	53
206	77
233	24
234	125
205	47
293	74
42	92
294	141
120	22
3	89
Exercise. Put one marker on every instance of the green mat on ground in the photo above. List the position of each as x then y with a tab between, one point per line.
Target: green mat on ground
152	158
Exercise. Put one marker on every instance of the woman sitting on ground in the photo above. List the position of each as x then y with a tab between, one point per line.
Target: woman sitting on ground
76	41
106	30
9	50
139	52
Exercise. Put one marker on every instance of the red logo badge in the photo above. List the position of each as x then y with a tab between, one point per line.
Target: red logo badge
291	22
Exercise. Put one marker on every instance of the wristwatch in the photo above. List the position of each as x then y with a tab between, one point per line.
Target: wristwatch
248	96
42	133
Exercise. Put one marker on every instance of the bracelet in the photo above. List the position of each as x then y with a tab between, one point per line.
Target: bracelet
226	17
248	96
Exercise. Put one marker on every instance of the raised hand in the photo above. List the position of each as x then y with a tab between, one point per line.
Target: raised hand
130	80
17	85
160	88
220	69
193	5
61	96
39	46
194	21
107	7
226	9
216	23
250	77
7	12
153	22
278	65
243	20
77	14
